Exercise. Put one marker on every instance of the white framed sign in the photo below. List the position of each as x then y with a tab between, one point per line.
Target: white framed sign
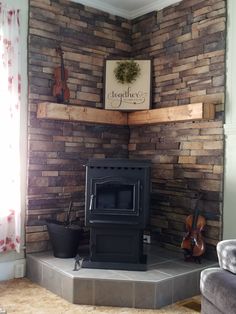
127	85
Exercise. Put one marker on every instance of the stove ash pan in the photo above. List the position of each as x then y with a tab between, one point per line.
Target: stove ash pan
117	193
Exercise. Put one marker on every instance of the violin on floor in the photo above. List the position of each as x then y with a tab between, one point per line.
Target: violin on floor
193	243
60	89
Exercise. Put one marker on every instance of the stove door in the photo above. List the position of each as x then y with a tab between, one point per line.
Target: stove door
113	200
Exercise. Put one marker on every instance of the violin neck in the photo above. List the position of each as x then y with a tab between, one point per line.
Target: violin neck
62	68
195	218
196	212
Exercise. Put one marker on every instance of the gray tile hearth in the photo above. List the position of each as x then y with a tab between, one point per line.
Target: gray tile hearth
163	283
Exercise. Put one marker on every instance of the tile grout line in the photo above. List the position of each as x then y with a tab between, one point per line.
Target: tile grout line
155	296
93	291
134	300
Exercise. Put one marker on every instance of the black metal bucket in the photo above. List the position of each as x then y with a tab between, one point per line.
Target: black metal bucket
65	239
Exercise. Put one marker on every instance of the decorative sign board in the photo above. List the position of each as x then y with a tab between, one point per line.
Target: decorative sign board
127	85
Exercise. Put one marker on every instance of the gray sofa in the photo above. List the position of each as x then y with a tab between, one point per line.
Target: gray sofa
218	284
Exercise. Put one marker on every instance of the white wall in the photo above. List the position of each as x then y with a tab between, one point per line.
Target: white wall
229	210
10	263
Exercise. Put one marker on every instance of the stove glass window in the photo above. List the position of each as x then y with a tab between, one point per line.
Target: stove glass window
115	196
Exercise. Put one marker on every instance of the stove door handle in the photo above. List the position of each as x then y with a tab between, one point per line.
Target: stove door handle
92	197
140	188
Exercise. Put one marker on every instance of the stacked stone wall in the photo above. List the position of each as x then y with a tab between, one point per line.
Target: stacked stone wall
186	43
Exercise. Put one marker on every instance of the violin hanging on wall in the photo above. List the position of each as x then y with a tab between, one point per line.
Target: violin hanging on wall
193	243
60	88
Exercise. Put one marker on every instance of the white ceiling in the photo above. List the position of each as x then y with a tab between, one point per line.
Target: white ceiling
129	9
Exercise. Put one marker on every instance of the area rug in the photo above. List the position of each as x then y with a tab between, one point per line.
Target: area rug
24	297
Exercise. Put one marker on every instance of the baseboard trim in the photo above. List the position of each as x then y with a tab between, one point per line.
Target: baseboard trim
12	269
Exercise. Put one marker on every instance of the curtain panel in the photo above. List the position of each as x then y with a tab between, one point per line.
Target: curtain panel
10	96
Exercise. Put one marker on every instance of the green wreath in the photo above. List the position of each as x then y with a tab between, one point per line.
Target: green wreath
127	71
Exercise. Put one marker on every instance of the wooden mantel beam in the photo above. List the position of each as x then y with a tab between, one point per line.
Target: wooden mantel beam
189	112
57	111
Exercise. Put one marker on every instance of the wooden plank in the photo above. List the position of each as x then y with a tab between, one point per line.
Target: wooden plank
57	111
172	114
188	112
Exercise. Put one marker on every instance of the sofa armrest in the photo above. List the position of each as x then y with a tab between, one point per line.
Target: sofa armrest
226	251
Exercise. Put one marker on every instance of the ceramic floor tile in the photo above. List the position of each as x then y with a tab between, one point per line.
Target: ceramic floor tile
96	274
185	286
83	291
172	268
114	293
144	295
195	265
34	270
149	276
154	259
61	263
162	283
52	279
164	293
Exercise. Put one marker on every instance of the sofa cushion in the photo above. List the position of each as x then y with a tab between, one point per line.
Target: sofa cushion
226	251
219	287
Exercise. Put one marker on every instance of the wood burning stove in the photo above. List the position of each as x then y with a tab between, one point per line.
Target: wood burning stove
117	211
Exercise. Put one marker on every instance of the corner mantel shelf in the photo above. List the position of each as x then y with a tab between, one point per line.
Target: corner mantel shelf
55	111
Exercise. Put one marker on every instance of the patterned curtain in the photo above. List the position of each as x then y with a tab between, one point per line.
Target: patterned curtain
10	91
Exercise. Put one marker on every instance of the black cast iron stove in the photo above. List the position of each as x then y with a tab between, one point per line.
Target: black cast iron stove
117	211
